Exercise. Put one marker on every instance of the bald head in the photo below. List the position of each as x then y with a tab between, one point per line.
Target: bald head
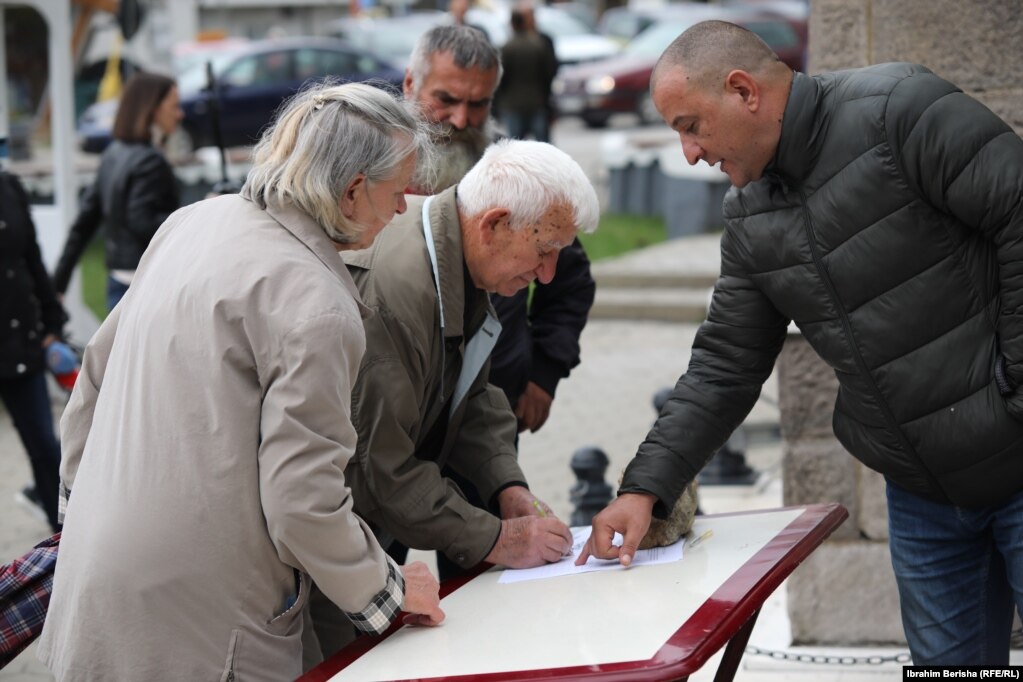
708	51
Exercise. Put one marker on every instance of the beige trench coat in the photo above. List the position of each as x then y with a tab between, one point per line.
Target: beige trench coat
204	446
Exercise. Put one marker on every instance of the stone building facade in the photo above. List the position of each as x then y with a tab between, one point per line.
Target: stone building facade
845	593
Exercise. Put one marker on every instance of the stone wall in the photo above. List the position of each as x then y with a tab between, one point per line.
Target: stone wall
845	593
976	44
851	573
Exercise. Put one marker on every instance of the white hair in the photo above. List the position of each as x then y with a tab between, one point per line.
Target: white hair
322	139
528	178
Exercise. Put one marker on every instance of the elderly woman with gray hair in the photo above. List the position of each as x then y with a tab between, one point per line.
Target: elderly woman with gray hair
205	440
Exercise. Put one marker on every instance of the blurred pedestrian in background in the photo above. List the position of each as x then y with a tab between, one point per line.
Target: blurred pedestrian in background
135	188
529	69
31	317
205	440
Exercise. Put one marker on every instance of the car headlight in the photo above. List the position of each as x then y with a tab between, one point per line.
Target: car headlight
600	85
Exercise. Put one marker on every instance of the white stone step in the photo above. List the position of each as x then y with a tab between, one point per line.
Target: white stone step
651	303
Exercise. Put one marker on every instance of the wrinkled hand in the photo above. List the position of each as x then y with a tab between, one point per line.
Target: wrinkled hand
515	501
629	515
530	541
422	596
533	408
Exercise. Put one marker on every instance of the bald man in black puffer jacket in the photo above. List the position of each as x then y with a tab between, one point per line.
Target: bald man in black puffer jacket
881	210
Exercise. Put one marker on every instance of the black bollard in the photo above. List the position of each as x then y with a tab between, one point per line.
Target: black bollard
728	465
590	493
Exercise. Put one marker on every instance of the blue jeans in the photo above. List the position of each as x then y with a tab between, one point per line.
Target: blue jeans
115	292
28	403
958	571
521	125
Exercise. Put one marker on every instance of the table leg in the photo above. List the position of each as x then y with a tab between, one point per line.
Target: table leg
734	650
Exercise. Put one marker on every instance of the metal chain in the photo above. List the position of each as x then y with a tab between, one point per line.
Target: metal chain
904	657
829	660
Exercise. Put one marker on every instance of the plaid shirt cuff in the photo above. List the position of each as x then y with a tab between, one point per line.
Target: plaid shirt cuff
384	607
62	499
25	587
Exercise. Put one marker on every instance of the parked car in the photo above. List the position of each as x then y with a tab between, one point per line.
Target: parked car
621	84
251	83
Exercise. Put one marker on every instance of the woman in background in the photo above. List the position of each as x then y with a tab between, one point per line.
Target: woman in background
135	188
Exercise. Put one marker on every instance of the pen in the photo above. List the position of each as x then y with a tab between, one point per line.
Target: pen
539	509
703	537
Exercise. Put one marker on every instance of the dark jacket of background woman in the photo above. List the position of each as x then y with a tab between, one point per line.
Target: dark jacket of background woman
29	309
134	192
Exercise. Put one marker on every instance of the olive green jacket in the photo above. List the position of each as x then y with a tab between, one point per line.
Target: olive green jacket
405	385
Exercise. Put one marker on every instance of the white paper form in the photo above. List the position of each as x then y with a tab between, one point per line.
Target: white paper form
580	534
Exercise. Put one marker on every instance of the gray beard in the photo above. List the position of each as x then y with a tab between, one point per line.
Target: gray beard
455	152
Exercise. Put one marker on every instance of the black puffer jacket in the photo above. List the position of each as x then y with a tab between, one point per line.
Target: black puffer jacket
28	307
134	192
889	227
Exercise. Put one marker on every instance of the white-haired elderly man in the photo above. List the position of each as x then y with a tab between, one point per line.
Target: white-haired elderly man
422	400
453	74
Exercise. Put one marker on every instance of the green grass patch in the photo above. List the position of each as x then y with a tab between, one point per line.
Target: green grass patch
94	278
620	233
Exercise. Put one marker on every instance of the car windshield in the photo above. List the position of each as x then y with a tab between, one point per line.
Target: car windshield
652	42
193	79
392	39
559	24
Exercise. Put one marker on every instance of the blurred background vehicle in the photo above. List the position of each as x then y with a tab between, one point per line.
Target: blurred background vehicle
621	84
585	12
187	54
390	38
252	79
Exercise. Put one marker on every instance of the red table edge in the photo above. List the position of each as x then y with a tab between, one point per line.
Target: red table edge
700	637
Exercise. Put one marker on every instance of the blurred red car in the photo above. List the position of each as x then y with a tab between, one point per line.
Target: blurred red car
621	84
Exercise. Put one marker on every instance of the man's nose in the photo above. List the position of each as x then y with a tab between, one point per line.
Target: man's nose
691	150
548	266
459	118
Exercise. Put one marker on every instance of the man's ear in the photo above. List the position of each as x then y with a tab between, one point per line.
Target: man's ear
347	203
741	83
408	85
490	222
